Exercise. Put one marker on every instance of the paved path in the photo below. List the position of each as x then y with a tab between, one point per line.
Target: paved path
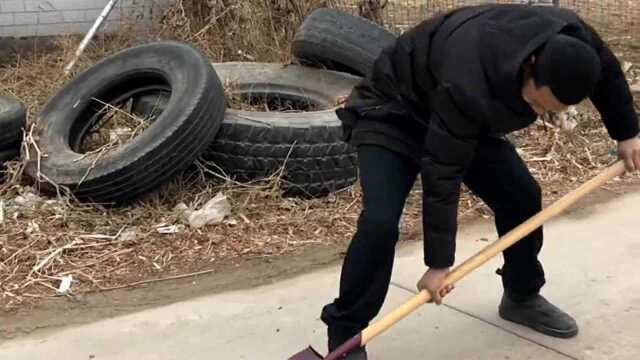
591	260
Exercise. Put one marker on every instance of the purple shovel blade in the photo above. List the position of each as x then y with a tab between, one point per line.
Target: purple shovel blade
307	354
339	353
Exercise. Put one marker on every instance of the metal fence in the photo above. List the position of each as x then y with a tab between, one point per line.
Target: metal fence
614	17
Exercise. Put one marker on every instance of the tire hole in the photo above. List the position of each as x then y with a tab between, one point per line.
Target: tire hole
266	102
118	115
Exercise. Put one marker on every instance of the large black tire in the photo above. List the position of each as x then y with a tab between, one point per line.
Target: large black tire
7	155
13	117
308	145
253	145
170	143
340	41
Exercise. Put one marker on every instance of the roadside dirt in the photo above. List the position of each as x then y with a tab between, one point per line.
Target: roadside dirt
238	274
227	276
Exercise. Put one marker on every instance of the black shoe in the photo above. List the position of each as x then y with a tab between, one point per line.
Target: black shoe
539	314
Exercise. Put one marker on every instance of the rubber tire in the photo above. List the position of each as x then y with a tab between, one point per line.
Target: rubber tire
254	145
13	117
171	143
7	155
339	41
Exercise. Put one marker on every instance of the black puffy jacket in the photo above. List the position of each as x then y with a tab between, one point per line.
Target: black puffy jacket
456	78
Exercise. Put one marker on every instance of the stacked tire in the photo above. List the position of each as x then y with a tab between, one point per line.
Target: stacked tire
333	50
254	145
336	40
306	145
182	97
12	123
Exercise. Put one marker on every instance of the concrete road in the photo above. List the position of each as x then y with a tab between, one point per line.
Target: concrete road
590	257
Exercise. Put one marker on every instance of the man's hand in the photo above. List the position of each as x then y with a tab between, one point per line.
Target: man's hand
432	281
629	151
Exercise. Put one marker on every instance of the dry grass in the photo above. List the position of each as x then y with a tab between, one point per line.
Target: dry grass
104	248
42	240
239	30
250	102
116	126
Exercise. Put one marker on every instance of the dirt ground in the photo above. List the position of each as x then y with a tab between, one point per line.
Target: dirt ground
54	314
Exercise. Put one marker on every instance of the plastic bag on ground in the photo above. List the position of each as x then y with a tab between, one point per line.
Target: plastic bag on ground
213	212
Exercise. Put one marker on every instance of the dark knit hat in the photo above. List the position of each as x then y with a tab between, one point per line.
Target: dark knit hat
570	67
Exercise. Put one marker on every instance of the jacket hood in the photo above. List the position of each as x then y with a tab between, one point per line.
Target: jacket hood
508	40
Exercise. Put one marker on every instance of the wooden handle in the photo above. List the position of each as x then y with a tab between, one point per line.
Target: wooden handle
493	249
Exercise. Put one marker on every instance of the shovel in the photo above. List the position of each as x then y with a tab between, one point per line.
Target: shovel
468	266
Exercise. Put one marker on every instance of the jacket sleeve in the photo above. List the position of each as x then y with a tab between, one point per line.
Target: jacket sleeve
444	163
449	147
612	96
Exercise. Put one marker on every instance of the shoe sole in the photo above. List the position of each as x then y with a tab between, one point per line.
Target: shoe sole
541	328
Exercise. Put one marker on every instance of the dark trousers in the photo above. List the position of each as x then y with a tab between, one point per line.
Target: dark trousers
497	175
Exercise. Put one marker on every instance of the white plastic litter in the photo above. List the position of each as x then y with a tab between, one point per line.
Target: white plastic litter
171	229
119	134
32	228
58	207
566	120
129	235
213	212
65	284
28	200
231	222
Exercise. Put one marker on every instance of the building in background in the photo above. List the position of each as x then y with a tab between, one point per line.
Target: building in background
25	18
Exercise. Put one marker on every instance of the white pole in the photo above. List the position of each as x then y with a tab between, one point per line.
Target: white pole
96	25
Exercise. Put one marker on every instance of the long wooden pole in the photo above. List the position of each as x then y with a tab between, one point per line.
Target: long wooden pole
494	249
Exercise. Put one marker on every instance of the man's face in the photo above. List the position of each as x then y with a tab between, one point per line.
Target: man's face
541	99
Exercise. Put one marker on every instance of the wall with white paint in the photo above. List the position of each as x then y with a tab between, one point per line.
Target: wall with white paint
57	17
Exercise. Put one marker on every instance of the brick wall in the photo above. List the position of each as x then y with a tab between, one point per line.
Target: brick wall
56	17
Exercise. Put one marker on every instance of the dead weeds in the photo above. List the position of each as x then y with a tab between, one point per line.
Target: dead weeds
106	248
266	103
115	125
239	30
